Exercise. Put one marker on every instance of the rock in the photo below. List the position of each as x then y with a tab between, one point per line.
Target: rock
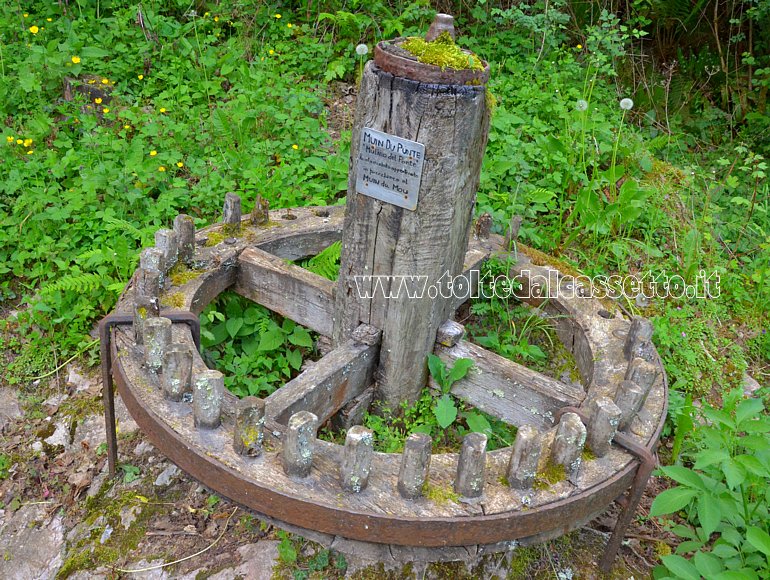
166	476
125	422
30	550
55	400
61	436
98	482
37	446
9	407
90	431
257	562
154	574
143	448
79	382
106	534
750	385
128	515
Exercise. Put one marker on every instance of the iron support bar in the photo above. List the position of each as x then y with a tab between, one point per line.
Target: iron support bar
108	393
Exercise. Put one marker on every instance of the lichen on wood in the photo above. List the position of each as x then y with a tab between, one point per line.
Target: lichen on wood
442	52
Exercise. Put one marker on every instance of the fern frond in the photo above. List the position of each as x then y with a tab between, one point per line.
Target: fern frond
327	262
79	283
143	236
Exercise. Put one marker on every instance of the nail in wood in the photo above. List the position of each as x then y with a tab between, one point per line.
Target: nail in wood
525	455
357	459
177	371
415	465
157	338
605	417
471	465
568	444
249	426
630	399
208	392
298	444
166	241
184	227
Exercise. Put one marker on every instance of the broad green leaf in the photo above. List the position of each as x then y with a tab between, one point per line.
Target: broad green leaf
707	564
459	370
295	358
445	411
709	514
271	340
735	575
748	409
250	345
759	538
437	369
752	465
301	337
233	326
734	472
672	500
681	567
477	423
724	551
710	457
719	416
684	476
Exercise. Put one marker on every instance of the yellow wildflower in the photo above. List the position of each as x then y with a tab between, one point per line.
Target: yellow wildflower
105	81
26	15
295	147
19	142
30	152
27	143
9	139
206	14
153	153
163	109
289	25
75	60
161	168
179	164
140	77
126	126
34	29
216	18
91	81
580	47
49	19
277	15
271	51
98	100
105	110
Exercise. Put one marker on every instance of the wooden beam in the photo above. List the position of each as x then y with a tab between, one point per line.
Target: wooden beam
507	390
289	290
328	385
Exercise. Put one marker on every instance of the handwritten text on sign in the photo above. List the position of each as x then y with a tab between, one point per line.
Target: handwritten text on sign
389	168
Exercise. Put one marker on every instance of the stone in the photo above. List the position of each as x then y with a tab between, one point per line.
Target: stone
165	477
184	227
629	399
177	372
208	392
605	417
91	432
128	515
166	241
31	550
78	381
231	212
750	385
157	338
257	562
568	444
60	436
249	424
450	333
9	407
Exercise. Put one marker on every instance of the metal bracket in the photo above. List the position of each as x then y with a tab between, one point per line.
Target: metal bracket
629	502
108	393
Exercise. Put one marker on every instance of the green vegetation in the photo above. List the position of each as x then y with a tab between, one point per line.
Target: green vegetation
630	136
442	52
257	350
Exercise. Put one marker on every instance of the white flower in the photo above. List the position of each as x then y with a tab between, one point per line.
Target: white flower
362	49
626	104
581	105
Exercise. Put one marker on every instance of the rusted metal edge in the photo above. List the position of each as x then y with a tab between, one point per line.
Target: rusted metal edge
391	62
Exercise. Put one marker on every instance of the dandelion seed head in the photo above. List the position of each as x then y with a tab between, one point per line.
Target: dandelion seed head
362	50
581	105
626	104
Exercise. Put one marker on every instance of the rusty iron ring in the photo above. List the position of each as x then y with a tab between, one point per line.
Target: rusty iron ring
403	65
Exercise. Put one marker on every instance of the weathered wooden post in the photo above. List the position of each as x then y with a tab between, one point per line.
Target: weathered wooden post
415	158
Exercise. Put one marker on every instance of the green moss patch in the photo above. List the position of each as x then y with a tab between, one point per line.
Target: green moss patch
442	52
